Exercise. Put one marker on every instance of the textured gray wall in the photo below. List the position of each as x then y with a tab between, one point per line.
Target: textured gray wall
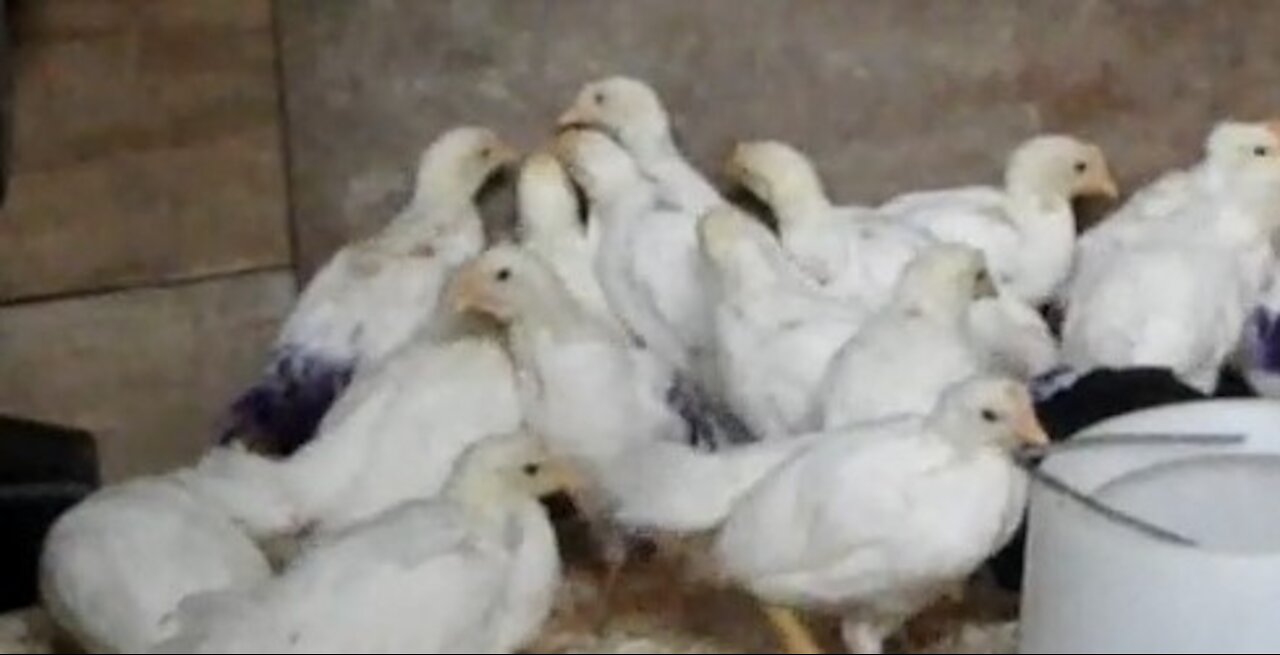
889	95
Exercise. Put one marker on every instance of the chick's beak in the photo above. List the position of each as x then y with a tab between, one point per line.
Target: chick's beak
1027	429
564	477
734	169
467	291
574	117
1101	183
506	154
986	289
1274	126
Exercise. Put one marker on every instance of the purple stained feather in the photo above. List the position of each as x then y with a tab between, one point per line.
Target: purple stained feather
711	424
1262	340
281	412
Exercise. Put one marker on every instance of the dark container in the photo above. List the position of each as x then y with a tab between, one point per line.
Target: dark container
44	470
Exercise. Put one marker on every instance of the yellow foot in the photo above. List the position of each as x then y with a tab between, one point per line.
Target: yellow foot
792	632
609	592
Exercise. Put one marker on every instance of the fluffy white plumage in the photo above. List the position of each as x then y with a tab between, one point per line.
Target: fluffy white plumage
875	522
857	253
1173	288
916	347
776	332
597	398
648	262
550	226
114	567
1015	338
1027	229
472	572
397	433
852	252
374	294
631	112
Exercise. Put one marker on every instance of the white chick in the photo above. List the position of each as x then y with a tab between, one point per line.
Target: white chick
877	522
1027	230
474	571
648	261
1176	293
114	567
850	251
855	253
631	112
1163	209
372	296
776	333
550	226
595	396
397	433
565	356
915	348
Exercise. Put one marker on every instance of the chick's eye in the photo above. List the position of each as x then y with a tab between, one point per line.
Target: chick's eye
1081	166
599	97
486	152
990	415
503	274
1261	151
531	469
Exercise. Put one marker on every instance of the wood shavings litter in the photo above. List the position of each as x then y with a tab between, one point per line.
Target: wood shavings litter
27	631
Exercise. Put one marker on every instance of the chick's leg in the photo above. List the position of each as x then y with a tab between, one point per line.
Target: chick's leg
862	636
794	635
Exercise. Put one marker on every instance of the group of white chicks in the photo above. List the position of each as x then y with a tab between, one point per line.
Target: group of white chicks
838	402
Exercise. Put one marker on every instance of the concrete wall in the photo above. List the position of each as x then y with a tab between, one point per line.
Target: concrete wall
145	257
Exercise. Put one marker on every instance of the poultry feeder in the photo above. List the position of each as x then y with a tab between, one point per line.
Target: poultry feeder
1205	574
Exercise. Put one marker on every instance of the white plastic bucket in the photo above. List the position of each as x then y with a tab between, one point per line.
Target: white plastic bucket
1097	586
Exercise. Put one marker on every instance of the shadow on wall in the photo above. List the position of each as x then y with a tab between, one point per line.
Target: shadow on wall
6	89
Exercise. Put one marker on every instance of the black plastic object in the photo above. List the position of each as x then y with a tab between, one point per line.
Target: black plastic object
44	470
1098	396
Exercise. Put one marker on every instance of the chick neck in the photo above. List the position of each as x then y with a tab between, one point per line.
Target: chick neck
1030	195
650	141
551	312
547	216
801	202
442	205
487	496
937	304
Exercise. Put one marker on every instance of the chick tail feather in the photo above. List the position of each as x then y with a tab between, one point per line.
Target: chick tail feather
281	412
712	425
670	487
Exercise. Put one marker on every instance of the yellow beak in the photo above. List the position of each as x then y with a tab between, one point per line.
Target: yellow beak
986	289
467	291
733	166
1029	431
505	154
1274	126
1101	183
564	477
575	116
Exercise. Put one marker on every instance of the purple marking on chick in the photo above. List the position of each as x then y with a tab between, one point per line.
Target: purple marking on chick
281	412
1262	340
711	424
